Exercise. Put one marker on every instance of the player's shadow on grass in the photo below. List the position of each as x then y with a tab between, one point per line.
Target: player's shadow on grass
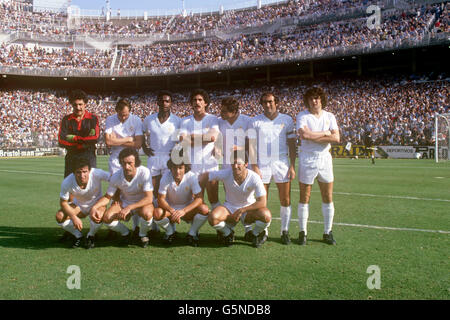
31	238
206	241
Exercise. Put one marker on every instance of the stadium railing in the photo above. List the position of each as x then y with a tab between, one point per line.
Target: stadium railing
304	55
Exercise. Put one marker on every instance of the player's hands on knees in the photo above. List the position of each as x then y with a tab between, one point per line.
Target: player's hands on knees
77	223
177	215
237	214
96	215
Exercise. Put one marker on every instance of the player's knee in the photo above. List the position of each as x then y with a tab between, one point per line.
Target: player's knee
60	217
158	214
203	209
286	202
213	218
266	215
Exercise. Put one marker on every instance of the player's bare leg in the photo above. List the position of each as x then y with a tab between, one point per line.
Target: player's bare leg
262	219
63	220
111	220
217	219
95	220
212	189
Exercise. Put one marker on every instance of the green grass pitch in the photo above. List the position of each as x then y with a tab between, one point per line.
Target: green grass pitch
394	215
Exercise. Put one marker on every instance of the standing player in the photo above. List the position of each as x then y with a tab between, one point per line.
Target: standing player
136	196
161	130
198	133
79	132
123	130
233	128
180	197
84	185
242	186
317	129
273	134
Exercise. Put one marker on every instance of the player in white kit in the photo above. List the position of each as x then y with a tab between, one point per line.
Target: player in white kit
317	129
180	197
161	130
245	200
123	130
84	186
273	133
233	128
136	197
198	133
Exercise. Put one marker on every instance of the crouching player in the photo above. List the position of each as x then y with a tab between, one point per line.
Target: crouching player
180	197
136	196
84	185
241	186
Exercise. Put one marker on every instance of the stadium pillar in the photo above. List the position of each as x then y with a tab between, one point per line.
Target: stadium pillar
311	69
199	82
413	61
268	74
360	71
167	83
228	78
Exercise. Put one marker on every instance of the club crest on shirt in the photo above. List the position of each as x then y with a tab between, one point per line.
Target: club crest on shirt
140	185
186	188
327	122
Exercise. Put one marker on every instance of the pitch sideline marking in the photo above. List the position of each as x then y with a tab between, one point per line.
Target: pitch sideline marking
377	227
374	195
274	187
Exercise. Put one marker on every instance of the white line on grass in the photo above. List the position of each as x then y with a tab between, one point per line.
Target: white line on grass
374	195
377	227
32	172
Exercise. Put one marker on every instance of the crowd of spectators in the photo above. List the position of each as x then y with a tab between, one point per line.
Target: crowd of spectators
63	58
185	54
397	112
50	23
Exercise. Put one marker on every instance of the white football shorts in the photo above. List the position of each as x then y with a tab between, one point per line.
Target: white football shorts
314	165
277	169
158	164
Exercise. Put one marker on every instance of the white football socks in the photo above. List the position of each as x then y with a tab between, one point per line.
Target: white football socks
166	225
118	227
198	221
328	215
285	214
260	226
144	226
221	227
94	227
135	221
303	213
70	227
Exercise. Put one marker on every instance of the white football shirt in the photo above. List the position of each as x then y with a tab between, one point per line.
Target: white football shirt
134	190
233	135
130	128
182	194
84	198
327	121
240	195
272	137
201	155
163	136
